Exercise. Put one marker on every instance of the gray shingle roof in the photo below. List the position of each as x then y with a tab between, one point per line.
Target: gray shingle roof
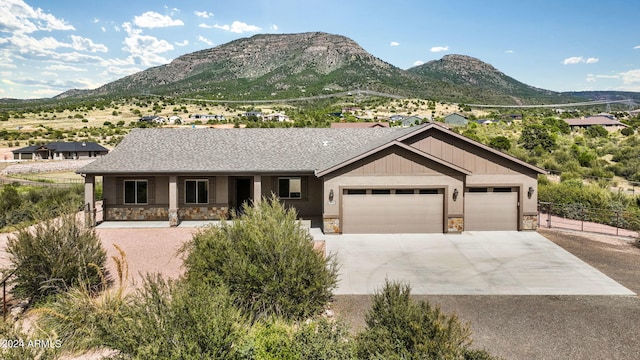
238	150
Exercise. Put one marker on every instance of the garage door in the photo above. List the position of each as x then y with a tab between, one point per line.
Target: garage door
382	211
491	209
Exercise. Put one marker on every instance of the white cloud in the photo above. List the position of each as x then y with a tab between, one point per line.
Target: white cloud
573	60
17	16
152	19
83	44
205	40
509	52
578	60
274	27
637	47
238	27
436	49
64	68
183	43
394	43
203	14
205	26
49	73
145	48
417	63
631	76
104	29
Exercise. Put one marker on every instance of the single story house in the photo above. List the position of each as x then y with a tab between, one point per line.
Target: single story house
410	121
280	117
60	151
421	179
351	125
456	119
609	123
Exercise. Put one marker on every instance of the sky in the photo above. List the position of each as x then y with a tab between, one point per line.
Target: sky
48	47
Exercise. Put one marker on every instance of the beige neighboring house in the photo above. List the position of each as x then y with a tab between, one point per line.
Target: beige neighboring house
61	150
422	179
276	117
608	122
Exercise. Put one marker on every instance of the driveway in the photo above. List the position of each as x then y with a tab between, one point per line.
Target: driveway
471	263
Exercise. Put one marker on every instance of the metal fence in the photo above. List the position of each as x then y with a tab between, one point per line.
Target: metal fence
581	218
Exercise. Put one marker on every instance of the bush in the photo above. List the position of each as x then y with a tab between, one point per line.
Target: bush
400	328
500	143
266	259
19	346
53	256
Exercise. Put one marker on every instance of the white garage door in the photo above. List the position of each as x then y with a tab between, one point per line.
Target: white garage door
382	211
491	209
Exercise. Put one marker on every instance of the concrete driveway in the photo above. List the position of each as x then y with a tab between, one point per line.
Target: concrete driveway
471	263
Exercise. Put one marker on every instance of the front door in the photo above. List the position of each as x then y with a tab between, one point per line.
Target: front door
243	193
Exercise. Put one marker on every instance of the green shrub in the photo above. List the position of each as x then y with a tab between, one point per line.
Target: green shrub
18	345
266	259
53	256
399	328
500	143
324	339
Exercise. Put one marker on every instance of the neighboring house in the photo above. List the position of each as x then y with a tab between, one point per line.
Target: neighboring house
606	121
422	179
257	114
207	117
394	118
60	151
410	121
277	117
456	119
352	125
484	121
175	119
153	119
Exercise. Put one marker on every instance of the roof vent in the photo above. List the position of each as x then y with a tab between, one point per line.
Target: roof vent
84	143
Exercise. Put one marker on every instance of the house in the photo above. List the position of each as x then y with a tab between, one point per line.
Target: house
153	119
608	122
175	119
456	119
421	179
277	117
410	121
207	117
256	114
396	117
484	121
352	125
60	151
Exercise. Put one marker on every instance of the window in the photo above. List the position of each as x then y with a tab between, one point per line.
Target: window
135	191
479	190
428	191
196	191
405	191
355	191
380	192
502	190
290	188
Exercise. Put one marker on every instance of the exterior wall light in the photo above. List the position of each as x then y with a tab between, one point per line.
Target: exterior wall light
455	194
530	192
331	195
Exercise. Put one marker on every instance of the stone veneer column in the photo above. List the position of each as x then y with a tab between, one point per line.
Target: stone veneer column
90	200
257	188
173	201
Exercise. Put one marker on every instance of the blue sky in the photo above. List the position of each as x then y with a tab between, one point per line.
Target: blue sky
48	47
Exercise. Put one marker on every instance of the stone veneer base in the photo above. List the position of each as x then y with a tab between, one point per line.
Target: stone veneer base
455	224
331	225
529	222
162	213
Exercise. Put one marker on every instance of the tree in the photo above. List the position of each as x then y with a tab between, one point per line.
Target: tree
266	259
399	328
55	255
595	131
500	143
537	135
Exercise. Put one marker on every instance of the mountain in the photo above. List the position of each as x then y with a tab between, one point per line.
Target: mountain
282	66
484	83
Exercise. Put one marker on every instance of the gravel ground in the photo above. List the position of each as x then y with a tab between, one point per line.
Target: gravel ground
548	327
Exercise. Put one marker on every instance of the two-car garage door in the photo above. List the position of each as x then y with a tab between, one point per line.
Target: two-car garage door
371	211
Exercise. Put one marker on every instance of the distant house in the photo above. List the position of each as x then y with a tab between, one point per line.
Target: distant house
350	110
257	114
394	118
153	119
207	117
60	151
456	119
411	121
175	119
277	117
358	125
484	121
609	123
513	117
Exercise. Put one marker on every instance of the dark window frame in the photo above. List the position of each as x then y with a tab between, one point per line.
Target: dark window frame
198	197
137	192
